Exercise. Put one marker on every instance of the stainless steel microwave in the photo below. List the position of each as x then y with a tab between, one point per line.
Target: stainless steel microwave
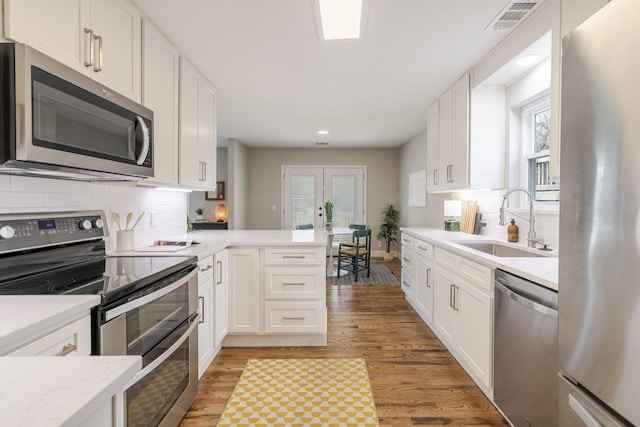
57	122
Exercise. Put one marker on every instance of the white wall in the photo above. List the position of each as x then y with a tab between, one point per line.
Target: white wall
27	194
413	158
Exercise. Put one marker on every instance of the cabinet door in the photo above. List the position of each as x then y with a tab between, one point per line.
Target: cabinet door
475	340
459	170
160	94
53	27
433	139
189	171
221	327
118	23
207	134
205	326
445	140
244	287
424	287
445	316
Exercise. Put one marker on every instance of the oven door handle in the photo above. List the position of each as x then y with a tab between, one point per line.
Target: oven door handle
121	309
164	356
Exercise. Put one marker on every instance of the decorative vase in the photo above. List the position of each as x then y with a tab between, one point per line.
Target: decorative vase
388	256
199	217
329	225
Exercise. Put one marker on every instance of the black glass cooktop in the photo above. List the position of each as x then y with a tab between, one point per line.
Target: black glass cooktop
85	271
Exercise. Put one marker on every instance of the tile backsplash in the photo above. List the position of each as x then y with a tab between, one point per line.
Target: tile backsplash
165	211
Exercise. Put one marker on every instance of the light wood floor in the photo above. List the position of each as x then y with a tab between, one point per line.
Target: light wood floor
415	380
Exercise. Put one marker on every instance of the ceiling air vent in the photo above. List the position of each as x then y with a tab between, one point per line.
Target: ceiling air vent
513	14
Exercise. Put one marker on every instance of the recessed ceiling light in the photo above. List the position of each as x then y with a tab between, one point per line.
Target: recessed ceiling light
323	132
528	59
340	19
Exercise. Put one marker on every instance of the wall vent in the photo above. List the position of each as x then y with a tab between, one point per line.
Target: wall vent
513	14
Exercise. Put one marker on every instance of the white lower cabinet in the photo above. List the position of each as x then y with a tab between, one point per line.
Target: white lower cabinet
277	296
244	291
417	275
221	300
72	339
206	342
463	314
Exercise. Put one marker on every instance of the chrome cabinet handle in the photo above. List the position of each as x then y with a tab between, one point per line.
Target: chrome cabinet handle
293	256
201	299
204	171
90	33
99	67
451	291
428	274
293	317
207	268
219	264
455	300
406	284
293	284
67	348
435	177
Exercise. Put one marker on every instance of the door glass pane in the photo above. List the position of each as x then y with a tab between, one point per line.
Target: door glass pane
343	193
303	199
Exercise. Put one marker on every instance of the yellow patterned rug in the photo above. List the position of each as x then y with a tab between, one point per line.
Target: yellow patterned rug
302	392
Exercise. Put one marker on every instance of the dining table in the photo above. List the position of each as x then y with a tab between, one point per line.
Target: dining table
335	231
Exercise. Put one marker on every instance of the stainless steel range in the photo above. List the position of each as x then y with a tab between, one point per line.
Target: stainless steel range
148	304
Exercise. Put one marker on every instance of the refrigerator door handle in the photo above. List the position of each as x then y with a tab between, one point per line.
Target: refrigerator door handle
583	412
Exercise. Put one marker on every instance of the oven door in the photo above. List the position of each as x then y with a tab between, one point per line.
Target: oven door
162	328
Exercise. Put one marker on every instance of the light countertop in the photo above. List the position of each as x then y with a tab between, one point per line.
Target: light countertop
213	241
60	391
541	270
28	317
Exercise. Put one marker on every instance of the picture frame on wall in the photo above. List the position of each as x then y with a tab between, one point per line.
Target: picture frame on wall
218	194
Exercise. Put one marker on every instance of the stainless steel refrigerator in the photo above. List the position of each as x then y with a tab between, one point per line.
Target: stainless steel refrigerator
599	277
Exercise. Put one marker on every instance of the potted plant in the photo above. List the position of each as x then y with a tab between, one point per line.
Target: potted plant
328	214
389	228
199	212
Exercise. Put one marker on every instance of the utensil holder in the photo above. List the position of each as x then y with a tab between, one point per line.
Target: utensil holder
124	240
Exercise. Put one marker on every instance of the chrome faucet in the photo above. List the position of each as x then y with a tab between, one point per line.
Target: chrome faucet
532	240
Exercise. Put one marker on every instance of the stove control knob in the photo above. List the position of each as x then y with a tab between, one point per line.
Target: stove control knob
86	225
97	223
7	232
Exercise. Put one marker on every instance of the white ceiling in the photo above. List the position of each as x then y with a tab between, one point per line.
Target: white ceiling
278	83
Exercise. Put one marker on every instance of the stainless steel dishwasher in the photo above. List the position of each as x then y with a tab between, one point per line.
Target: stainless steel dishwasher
525	351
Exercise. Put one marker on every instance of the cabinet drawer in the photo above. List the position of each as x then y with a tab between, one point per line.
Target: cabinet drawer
294	283
408	282
408	260
297	256
72	339
446	259
294	317
205	271
477	274
424	249
407	241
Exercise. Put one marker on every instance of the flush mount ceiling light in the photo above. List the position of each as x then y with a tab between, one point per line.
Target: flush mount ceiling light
323	132
528	59
340	19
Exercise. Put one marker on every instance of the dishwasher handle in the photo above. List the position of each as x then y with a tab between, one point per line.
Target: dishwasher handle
540	308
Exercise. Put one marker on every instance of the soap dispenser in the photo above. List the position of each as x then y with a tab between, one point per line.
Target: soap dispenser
512	231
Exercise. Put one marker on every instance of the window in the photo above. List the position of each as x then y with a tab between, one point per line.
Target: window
536	118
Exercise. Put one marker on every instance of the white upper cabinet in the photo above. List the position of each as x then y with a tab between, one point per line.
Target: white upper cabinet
99	38
160	93
197	129
465	139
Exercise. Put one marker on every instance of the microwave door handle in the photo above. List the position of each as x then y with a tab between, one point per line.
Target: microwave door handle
145	140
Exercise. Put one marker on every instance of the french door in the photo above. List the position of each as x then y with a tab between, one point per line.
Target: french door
305	189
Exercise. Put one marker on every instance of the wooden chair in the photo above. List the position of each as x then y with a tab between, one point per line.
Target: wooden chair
357	257
304	227
356	227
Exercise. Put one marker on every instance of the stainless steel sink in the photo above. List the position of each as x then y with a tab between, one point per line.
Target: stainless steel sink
504	251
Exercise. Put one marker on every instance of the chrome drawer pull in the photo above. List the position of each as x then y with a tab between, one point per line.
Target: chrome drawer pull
293	284
293	256
67	348
219	263
202	310
428	273
207	268
293	317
